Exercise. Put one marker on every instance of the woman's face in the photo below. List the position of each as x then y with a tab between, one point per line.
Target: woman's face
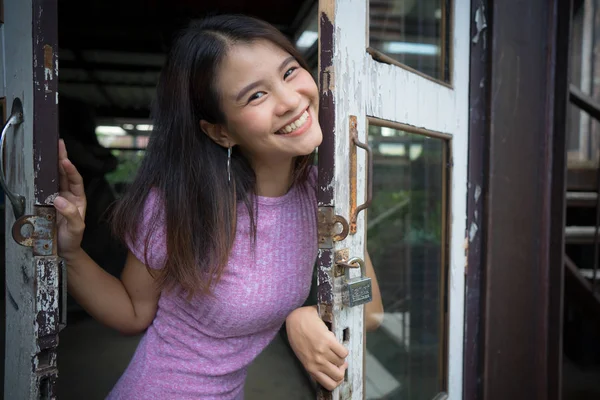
270	103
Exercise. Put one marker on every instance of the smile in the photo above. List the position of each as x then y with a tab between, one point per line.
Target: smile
295	125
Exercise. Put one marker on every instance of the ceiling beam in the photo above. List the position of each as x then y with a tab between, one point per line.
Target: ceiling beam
106	66
92	76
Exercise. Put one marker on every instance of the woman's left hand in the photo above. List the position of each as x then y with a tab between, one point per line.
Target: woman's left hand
316	347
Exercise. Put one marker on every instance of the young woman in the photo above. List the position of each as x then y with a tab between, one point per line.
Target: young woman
220	221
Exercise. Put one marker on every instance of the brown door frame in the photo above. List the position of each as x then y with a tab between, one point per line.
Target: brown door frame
515	218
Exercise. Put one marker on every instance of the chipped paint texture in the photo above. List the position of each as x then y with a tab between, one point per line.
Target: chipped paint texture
344	79
480	25
32	282
47	297
473	231
17	32
50	199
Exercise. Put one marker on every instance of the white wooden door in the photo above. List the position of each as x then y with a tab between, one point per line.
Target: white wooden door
395	73
33	273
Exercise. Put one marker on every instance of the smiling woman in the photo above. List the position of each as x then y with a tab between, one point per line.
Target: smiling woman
227	171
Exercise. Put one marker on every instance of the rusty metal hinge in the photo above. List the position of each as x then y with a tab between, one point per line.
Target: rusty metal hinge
328	230
37	231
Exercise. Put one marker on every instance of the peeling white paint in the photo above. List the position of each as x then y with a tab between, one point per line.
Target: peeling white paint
350	93
477	193
50	199
480	23
473	231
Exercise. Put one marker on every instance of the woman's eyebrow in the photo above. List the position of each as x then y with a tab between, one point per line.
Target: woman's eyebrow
253	85
286	62
248	88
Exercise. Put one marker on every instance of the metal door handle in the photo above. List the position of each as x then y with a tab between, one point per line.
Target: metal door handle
15	119
369	199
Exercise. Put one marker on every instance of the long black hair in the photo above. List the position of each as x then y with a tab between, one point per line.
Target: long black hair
189	169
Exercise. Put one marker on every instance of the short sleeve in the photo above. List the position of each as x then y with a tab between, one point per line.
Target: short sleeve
150	245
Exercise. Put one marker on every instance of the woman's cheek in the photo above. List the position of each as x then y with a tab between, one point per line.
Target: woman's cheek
259	121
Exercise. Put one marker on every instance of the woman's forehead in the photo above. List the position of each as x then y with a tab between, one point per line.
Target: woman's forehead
250	61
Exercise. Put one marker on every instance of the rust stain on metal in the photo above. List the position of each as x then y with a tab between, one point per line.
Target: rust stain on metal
43	231
365	146
49	58
17	233
340	256
327	227
341	221
353	172
323	227
48	67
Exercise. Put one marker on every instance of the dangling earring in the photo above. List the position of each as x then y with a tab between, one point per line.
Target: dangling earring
229	164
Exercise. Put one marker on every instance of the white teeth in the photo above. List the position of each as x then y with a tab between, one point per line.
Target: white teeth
296	124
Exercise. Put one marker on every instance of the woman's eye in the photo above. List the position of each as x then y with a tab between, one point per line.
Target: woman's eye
289	72
256	95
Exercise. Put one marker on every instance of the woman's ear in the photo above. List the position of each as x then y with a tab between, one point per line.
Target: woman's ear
217	133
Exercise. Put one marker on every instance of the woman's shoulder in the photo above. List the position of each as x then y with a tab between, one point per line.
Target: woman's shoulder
313	176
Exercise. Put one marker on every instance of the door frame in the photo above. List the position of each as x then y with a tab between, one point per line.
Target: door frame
517	168
33	269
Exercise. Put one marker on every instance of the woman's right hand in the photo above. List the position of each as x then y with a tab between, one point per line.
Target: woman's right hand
70	204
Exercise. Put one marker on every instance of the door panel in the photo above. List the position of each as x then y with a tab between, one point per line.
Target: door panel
426	102
33	290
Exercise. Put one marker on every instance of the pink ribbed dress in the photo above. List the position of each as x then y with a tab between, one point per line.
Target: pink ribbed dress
200	349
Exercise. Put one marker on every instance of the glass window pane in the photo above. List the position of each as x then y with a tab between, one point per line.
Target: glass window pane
405	357
414	33
583	131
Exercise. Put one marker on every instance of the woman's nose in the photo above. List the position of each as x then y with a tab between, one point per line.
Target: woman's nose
288	100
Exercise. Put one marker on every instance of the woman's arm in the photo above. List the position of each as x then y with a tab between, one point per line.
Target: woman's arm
374	309
127	304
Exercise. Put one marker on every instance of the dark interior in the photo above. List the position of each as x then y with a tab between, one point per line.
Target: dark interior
111	51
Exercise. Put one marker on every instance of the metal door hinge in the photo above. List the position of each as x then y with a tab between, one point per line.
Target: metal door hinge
329	226
37	231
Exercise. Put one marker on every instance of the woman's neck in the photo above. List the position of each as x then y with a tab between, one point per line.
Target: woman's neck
273	180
